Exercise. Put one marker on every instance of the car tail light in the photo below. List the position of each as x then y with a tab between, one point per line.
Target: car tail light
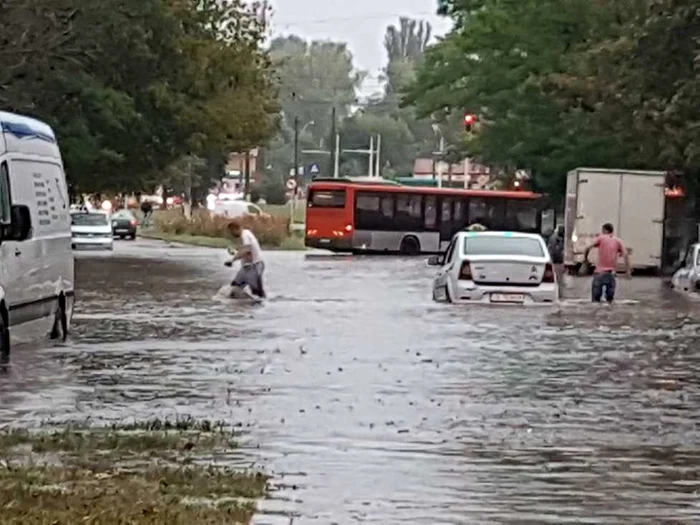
465	272
134	223
548	276
348	227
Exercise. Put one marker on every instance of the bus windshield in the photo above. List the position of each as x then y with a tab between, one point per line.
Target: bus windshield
327	199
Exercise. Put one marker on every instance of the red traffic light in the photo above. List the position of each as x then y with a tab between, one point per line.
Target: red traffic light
469	121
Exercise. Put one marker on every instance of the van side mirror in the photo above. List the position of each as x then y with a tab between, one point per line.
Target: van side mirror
20	228
434	260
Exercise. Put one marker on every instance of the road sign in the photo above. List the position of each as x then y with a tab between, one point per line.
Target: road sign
314	169
291	184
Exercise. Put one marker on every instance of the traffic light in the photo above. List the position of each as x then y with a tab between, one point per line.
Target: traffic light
469	121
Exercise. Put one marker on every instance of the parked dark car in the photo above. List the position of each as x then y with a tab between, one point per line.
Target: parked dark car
124	224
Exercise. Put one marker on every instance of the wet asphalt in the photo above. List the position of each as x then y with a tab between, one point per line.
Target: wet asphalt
369	403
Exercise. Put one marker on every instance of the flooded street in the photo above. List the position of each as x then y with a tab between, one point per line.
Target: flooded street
369	403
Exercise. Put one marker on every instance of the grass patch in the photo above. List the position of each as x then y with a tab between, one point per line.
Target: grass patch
143	472
273	232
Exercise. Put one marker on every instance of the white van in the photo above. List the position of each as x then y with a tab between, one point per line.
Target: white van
36	261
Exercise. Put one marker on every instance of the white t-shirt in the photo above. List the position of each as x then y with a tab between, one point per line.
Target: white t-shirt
248	239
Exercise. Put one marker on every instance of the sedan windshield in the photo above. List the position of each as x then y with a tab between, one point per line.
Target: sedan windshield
89	219
511	246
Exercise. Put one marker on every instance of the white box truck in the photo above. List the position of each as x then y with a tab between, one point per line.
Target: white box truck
632	201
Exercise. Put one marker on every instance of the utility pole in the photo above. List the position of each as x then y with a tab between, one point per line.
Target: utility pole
331	165
296	151
246	174
377	171
467	169
371	156
336	167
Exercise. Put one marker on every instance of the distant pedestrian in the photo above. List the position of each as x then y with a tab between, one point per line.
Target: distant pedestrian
556	252
609	249
147	210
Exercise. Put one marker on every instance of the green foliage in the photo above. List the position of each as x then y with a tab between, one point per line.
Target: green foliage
314	77
133	85
273	189
565	83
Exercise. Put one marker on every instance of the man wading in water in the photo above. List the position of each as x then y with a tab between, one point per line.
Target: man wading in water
609	249
250	255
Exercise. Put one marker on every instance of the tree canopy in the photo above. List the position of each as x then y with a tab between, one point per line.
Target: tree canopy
563	83
130	86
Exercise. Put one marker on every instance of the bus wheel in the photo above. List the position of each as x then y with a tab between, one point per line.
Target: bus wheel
410	246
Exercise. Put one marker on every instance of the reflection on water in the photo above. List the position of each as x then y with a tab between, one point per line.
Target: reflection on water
369	403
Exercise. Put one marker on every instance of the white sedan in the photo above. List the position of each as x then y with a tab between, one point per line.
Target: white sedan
91	229
687	277
495	267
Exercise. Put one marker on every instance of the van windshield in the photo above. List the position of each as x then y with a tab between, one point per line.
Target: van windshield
89	219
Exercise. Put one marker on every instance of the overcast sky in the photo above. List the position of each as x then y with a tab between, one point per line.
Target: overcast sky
360	23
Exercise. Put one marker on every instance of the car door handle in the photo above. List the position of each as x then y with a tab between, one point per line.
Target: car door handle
18	252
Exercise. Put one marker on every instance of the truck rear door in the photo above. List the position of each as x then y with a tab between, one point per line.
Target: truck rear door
598	202
641	218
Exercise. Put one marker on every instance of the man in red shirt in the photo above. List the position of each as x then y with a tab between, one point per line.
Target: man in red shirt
609	249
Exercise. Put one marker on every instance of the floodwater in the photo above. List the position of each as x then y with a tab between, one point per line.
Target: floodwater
368	403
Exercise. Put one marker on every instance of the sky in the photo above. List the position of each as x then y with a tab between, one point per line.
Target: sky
360	23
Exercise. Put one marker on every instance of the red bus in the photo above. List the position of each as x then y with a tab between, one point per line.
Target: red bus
343	215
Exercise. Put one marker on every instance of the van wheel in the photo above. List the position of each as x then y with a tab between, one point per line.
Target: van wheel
410	246
4	337
60	323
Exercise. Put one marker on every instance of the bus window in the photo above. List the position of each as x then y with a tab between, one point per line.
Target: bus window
374	211
327	199
430	222
388	207
408	212
446	224
460	215
523	215
488	212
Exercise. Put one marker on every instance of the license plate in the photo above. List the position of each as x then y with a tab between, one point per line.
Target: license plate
122	230
325	241
507	298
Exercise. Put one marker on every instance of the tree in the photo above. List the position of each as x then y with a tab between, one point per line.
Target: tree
405	47
140	83
559	84
403	135
314	77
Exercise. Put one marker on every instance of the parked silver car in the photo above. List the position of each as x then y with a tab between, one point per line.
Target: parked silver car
495	267
687	277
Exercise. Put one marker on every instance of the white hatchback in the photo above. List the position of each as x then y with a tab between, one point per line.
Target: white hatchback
495	267
687	277
91	229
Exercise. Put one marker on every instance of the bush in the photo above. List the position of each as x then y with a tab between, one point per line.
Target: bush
274	190
270	230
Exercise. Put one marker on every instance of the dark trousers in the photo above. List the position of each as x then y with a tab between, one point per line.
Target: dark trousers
604	280
251	275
